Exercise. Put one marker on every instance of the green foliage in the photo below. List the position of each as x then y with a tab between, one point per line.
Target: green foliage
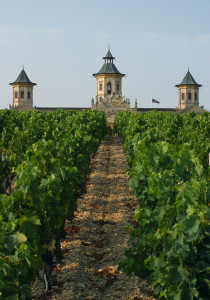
49	155
168	159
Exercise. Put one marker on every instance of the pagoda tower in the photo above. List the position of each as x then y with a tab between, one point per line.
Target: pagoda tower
188	92
108	79
22	91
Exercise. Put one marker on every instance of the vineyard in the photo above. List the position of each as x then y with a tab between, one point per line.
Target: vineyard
168	156
44	164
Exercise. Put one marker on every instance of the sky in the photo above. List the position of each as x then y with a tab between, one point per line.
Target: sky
61	44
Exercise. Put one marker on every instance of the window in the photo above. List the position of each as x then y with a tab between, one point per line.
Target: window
183	96
109	88
21	94
195	96
189	96
29	95
16	94
100	86
118	87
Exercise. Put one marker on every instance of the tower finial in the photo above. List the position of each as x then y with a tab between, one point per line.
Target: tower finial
23	67
108	46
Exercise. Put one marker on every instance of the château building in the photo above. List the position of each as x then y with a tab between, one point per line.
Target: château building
108	93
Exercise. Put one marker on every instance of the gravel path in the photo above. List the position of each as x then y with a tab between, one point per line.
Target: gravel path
96	239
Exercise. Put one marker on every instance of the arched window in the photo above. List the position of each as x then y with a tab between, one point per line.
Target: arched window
183	96
100	86
109	88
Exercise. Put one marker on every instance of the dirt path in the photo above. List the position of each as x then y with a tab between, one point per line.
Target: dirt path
97	238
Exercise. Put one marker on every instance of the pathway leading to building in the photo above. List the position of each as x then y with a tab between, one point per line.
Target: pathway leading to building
97	239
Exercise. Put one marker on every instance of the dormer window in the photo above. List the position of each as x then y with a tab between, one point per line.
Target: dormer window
29	95
118	87
22	94
16	94
195	96
189	96
100	86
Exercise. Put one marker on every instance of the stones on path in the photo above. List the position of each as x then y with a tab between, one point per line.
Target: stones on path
96	239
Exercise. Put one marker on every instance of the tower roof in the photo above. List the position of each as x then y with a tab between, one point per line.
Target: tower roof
109	67
188	80
22	78
108	55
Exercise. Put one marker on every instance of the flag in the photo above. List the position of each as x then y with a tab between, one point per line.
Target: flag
155	101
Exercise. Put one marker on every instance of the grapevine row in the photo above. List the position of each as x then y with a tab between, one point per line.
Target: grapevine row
169	174
48	156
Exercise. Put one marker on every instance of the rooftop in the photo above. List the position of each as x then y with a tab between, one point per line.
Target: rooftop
109	55
23	78
109	67
188	80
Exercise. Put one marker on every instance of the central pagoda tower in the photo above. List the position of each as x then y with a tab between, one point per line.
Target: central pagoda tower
108	79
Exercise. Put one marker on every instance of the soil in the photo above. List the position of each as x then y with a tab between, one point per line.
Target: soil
96	239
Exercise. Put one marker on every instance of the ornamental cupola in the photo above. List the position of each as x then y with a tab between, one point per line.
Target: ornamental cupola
22	90
188	92
108	79
108	58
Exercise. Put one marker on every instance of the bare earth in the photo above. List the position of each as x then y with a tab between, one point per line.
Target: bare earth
96	240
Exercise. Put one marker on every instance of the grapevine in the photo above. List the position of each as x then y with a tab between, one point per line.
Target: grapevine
169	174
47	155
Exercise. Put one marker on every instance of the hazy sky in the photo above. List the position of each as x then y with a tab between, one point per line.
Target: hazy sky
61	44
